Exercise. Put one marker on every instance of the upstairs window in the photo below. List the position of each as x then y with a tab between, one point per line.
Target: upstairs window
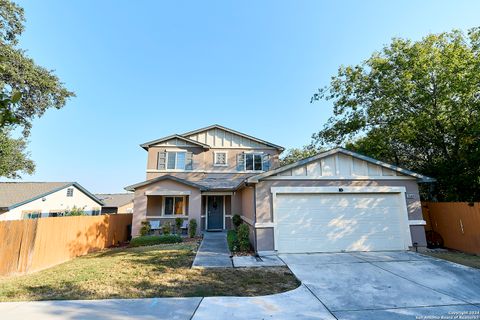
176	160
253	162
70	192
220	158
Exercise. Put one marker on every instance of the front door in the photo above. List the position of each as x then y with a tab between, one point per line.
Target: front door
214	212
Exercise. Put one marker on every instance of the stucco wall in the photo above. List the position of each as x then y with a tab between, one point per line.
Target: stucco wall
152	206
57	201
264	211
203	160
248	203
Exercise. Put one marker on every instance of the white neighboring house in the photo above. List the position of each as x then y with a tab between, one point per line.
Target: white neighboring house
31	200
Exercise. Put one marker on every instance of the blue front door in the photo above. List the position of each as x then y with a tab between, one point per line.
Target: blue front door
214	212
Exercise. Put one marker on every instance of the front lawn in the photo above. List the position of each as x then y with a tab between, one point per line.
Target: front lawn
141	272
469	260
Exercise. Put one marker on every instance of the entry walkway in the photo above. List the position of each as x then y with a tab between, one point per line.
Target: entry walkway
213	252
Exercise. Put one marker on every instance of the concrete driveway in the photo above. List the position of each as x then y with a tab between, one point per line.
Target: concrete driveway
377	285
388	285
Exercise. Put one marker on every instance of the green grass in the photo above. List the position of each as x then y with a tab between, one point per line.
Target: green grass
141	272
232	240
469	260
153	240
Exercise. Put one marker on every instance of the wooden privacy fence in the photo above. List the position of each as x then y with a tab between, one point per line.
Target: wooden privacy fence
32	245
457	222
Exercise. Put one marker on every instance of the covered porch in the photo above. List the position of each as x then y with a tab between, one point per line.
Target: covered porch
213	211
162	200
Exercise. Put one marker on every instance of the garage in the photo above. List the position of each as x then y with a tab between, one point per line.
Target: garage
330	219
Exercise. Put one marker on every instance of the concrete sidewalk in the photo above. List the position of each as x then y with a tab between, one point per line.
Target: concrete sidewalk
295	304
213	252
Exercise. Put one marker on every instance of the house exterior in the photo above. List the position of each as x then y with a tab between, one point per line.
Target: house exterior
31	200
116	203
337	200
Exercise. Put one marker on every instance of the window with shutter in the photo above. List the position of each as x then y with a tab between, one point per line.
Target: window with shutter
161	160
240	161
189	161
266	162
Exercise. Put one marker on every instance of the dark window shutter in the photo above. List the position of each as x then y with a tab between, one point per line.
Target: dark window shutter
162	155
189	161
266	162
240	161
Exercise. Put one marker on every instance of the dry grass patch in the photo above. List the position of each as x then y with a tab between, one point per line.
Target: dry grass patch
469	260
155	271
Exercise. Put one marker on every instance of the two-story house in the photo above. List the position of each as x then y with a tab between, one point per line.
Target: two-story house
200	174
334	201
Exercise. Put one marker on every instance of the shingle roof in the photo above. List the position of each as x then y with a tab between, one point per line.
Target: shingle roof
13	194
205	184
115	199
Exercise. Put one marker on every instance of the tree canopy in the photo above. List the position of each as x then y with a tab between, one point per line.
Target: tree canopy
415	104
26	90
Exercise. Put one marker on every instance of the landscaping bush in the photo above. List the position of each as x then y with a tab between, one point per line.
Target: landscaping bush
146	228
237	221
153	240
192	228
166	228
178	225
232	240
243	238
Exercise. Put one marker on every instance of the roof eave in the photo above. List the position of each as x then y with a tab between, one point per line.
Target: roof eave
148	144
420	178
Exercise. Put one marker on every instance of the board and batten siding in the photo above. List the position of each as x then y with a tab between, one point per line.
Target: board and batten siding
218	138
339	165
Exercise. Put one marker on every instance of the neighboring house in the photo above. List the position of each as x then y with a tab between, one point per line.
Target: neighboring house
116	202
31	200
337	200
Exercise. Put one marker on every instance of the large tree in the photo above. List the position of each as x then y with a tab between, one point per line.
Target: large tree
26	89
415	104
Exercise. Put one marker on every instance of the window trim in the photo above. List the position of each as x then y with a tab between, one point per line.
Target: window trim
176	161
68	190
184	207
260	154
215	164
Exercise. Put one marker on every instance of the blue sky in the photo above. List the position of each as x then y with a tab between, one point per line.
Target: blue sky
146	69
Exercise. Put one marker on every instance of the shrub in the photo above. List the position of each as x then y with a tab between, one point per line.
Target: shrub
243	238
153	240
178	225
146	228
232	240
75	211
192	228
166	228
237	221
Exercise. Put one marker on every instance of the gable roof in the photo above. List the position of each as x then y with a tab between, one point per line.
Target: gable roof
15	194
217	126
115	199
148	144
420	177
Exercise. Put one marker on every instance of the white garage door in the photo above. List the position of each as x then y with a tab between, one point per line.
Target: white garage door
323	222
